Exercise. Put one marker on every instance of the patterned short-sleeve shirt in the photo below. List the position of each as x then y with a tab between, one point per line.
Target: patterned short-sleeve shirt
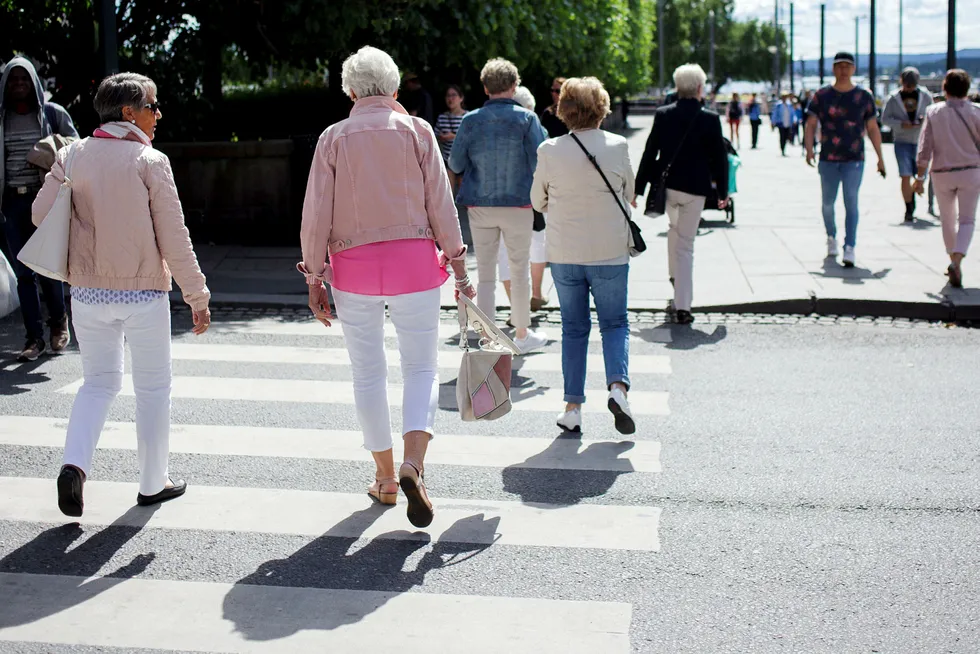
842	119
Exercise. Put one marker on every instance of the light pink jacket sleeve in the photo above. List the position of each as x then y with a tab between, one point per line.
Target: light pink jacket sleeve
318	215
926	145
173	239
439	203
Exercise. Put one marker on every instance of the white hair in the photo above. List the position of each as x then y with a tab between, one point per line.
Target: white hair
525	98
688	79
369	72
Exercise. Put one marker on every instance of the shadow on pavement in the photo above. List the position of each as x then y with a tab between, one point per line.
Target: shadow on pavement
547	485
857	275
19	377
920	223
263	614
687	337
51	552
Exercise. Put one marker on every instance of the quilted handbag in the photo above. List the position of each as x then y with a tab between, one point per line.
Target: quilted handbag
483	384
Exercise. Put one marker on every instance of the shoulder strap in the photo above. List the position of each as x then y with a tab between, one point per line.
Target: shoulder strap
976	144
595	163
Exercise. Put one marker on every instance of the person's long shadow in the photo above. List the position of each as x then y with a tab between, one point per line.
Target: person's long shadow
583	473
265	614
856	275
51	553
16	381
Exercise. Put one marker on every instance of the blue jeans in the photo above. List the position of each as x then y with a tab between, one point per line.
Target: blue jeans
607	285
17	229
834	174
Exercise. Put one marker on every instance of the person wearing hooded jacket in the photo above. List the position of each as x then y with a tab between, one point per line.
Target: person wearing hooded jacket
25	119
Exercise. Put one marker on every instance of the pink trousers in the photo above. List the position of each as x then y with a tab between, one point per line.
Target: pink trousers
957	194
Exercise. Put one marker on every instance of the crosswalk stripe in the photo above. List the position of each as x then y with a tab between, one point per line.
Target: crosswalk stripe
350	515
276	442
448	359
538	398
271	326
204	616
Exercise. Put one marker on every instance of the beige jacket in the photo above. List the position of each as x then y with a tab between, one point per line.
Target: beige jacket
127	229
584	224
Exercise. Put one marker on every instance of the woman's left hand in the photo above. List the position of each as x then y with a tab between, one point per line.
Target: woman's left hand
466	290
722	203
919	187
320	303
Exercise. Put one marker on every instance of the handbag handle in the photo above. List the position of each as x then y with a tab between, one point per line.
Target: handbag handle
68	163
592	159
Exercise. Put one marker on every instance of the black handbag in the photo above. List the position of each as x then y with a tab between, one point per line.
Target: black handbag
657	200
637	245
539	224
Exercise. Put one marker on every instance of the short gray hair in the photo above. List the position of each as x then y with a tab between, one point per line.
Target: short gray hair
525	98
122	90
369	72
910	76
688	79
499	76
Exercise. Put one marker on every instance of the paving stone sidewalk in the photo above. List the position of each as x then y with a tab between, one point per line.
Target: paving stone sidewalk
772	259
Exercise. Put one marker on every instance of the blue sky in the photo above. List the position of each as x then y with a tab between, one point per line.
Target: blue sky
925	24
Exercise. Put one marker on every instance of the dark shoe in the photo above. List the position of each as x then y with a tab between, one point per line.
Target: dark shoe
684	317
538	303
420	512
70	482
955	276
60	336
33	349
177	490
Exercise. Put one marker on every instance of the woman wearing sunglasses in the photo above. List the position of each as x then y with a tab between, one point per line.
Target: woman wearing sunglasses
127	237
549	117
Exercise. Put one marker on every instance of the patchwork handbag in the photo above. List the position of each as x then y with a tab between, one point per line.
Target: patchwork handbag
483	384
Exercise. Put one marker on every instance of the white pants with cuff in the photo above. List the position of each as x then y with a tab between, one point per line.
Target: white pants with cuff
416	320
100	330
684	213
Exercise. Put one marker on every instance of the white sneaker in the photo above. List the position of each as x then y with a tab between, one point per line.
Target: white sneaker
848	256
533	341
571	420
832	250
621	410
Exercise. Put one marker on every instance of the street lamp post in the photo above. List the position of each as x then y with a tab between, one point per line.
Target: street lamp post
901	20
711	55
872	68
951	36
823	34
792	78
775	56
660	40
108	49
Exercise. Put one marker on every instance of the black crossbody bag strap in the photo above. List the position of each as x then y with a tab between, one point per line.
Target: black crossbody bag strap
629	216
663	178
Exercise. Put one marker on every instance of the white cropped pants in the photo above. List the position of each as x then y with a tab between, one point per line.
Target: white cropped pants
100	330
416	320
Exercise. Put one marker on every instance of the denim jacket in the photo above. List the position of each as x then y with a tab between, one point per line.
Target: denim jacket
496	152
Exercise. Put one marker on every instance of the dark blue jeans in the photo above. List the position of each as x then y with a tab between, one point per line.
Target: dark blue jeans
17	229
607	285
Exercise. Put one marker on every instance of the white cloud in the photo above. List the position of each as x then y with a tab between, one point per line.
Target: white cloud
925	24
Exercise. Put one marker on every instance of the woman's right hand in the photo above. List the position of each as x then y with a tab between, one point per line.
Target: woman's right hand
320	303
202	320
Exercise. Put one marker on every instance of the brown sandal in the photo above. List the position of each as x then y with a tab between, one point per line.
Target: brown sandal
412	481
376	491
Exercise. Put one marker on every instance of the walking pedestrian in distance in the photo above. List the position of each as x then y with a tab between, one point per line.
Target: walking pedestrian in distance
496	151
735	113
688	139
844	112
127	237
448	122
950	139
381	230
549	117
538	259
588	244
784	119
755	112
25	119
904	113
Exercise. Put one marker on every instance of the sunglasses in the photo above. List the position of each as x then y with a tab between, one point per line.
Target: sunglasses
153	106
556	90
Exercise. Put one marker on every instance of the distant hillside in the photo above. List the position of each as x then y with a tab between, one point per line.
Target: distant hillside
933	63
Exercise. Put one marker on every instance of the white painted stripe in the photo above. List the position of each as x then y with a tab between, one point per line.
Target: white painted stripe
271	326
479	451
449	359
201	616
538	398
346	515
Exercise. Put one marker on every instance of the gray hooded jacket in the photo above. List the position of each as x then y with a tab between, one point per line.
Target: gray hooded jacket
894	115
54	119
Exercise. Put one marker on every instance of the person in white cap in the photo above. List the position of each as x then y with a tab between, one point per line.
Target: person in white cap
845	112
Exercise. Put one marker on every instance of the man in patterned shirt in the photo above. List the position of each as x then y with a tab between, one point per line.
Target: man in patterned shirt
845	112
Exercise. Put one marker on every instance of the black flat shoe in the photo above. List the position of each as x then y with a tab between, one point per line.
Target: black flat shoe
166	494
70	483
684	317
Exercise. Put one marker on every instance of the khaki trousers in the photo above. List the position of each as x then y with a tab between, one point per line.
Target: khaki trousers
684	212
515	225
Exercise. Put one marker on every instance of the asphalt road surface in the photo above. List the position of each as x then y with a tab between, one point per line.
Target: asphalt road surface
797	487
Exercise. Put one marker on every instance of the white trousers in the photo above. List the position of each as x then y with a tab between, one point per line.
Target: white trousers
684	213
538	254
100	330
416	320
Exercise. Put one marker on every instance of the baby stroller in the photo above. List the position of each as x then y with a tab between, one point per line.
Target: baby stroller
711	202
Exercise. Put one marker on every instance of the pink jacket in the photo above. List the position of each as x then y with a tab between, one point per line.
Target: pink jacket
377	176
946	140
127	229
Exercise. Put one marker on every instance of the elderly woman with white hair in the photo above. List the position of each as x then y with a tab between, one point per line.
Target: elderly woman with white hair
685	152
127	237
378	200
